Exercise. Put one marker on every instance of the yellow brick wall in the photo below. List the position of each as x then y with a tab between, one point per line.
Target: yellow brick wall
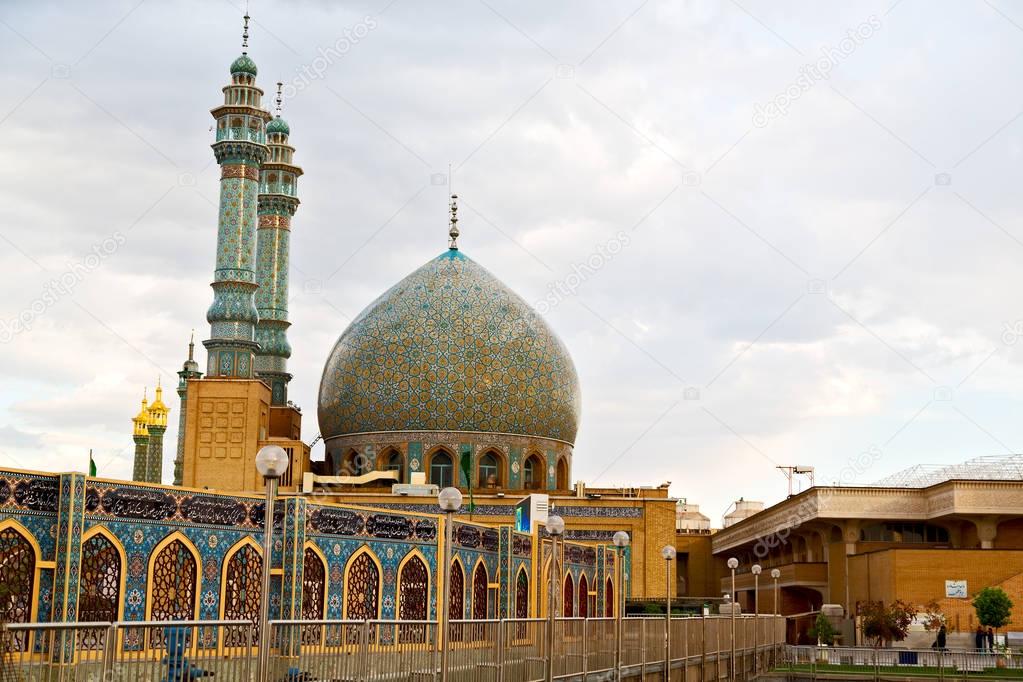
918	576
224	423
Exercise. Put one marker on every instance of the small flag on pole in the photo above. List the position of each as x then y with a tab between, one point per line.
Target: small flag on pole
92	464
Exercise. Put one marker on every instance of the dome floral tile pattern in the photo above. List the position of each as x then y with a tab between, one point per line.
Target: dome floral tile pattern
450	348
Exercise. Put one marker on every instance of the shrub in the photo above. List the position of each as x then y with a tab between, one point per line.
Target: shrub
882	624
993	606
822	630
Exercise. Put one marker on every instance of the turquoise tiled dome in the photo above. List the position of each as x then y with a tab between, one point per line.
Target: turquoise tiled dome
278	125
244	64
450	348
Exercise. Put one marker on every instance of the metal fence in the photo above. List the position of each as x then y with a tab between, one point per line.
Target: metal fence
870	663
514	650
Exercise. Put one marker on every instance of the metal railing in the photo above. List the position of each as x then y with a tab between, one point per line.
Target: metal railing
514	650
871	663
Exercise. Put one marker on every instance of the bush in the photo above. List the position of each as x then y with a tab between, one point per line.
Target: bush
883	624
822	630
993	606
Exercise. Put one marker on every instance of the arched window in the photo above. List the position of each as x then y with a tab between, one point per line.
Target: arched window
441	469
568	603
413	590
456	593
175	585
490	471
532	473
522	594
314	587
584	597
17	575
609	599
354	464
395	462
479	592
243	583
562	477
99	588
362	588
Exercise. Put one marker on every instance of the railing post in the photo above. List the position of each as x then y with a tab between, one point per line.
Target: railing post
364	658
248	649
685	650
501	642
642	648
585	649
109	651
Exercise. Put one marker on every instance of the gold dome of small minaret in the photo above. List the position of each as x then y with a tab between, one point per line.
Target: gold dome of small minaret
141	420
158	410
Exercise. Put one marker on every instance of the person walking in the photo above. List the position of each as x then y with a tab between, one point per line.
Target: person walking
978	638
939	642
990	639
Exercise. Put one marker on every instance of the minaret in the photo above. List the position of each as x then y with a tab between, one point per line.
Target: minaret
189	370
141	437
240	148
278	200
157	427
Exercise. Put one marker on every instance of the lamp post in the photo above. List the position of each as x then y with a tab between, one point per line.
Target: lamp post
755	570
733	564
621	541
271	463
668	553
450	501
555	528
775	573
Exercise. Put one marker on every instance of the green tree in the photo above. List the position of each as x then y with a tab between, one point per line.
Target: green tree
993	606
823	631
883	624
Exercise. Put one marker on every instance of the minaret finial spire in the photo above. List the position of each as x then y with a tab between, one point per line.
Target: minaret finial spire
245	31
453	230
191	347
279	99
453	221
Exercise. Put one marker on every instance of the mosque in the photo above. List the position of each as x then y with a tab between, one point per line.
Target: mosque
449	378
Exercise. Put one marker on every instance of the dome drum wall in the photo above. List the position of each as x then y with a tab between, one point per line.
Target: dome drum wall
519	462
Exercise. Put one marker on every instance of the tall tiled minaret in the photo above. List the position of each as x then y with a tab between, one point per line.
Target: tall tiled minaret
189	370
158	412
278	200
140	434
240	149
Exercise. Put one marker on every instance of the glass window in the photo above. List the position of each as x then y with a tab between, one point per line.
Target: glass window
441	470
489	475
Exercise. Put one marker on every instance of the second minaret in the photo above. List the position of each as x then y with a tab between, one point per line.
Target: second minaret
278	200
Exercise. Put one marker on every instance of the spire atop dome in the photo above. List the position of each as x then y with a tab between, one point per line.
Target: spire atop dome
278	99
453	230
245	32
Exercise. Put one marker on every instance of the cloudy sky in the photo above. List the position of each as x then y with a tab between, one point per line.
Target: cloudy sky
779	233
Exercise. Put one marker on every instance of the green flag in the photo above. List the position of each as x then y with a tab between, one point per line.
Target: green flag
466	463
92	464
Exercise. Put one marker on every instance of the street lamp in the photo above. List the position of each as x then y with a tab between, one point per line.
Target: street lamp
555	528
621	541
733	564
755	570
775	573
271	463
450	501
668	553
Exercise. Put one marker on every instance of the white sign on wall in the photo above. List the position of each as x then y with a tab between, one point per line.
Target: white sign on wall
955	589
